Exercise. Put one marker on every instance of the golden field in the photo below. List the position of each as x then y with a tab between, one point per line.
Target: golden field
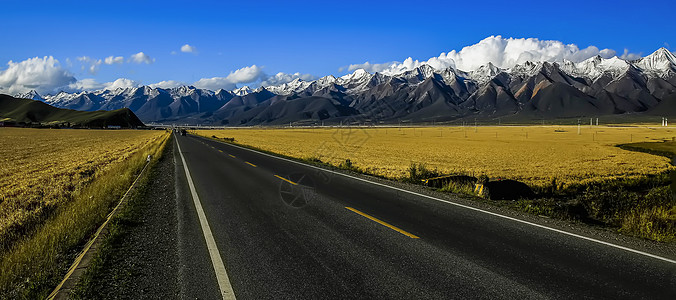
42	169
56	187
533	154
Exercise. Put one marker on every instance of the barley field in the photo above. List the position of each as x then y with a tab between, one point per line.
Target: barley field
43	169
56	187
532	154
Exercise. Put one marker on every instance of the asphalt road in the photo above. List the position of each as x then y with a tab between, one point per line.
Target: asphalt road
284	230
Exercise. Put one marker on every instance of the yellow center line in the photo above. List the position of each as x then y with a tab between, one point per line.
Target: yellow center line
383	223
232	156
250	164
289	181
220	151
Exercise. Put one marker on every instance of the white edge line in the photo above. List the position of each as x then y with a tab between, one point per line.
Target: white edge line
465	206
216	260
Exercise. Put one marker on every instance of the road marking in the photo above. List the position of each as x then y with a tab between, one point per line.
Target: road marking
289	181
250	164
220	151
397	229
216	260
232	156
467	207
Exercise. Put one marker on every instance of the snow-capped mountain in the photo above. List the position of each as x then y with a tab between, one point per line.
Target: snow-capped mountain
32	94
242	91
531	90
661	62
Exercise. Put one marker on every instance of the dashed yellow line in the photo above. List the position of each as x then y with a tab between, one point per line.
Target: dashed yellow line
232	156
250	164
383	223
289	181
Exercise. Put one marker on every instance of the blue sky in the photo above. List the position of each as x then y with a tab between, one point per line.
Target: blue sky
310	37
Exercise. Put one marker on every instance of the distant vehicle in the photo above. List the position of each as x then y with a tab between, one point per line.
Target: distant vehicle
183	132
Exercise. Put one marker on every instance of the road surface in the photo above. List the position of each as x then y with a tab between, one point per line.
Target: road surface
262	227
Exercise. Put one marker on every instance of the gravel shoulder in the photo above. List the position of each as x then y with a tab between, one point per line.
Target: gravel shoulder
140	258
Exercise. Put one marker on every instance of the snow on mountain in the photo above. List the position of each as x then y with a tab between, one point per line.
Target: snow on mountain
595	67
431	92
355	82
326	81
526	69
295	86
484	73
359	75
62	97
660	62
32	94
242	91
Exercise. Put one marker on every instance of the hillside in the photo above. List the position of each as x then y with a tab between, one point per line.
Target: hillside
32	111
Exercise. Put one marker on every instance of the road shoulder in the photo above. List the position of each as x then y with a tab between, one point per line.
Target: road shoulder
139	259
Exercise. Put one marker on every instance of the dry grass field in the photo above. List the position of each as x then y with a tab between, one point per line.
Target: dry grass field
41	169
532	154
56	186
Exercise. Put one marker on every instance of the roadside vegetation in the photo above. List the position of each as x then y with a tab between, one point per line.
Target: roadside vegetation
582	177
56	188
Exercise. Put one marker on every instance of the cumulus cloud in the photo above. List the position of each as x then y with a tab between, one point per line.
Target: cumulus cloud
93	65
166	84
41	74
113	60
141	58
372	68
243	75
282	78
502	52
90	84
188	49
630	56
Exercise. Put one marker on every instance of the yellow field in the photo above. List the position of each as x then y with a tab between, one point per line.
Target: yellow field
533	154
41	169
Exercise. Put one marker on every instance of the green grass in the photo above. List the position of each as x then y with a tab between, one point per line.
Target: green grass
27	111
35	265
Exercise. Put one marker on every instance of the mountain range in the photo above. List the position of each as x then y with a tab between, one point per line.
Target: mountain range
526	92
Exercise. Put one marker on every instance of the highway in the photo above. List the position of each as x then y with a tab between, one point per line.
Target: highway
255	226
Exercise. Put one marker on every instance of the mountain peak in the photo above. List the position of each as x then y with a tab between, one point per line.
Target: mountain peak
661	62
356	75
242	91
32	94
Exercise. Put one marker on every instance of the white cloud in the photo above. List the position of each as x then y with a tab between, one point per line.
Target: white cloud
166	84
502	52
282	78
188	49
87	84
141	58
41	74
371	68
93	64
113	60
630	56
90	84
243	75
121	83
